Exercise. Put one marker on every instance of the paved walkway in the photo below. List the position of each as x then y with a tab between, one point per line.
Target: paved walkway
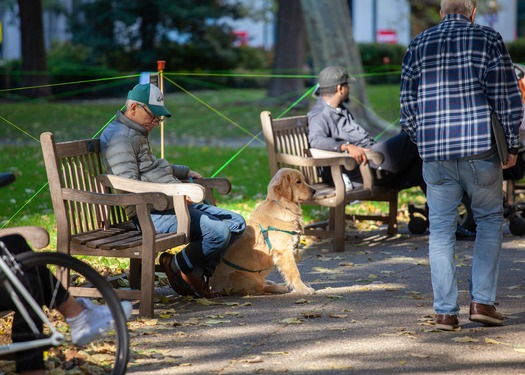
371	314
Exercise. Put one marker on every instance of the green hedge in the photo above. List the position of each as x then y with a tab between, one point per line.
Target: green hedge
382	62
516	50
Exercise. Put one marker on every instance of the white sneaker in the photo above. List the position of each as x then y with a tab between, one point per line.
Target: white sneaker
93	322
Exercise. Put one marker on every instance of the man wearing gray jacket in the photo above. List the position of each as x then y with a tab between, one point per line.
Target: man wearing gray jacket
126	152
332	127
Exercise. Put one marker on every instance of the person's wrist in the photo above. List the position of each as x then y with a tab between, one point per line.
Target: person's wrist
513	151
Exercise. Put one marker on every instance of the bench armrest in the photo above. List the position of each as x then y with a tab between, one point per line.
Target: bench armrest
37	236
374	156
194	191
366	172
332	161
222	185
158	200
178	192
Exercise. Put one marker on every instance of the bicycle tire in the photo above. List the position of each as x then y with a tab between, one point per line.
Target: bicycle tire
61	263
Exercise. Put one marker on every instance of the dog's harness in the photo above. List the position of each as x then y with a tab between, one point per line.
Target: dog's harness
265	234
268	244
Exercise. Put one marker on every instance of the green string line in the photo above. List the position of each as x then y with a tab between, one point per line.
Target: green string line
24	205
254	137
251	140
213	109
69	83
18	128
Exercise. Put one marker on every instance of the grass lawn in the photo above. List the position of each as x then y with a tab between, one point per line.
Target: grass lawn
208	131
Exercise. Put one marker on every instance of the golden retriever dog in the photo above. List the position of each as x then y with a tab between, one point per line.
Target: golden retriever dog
271	239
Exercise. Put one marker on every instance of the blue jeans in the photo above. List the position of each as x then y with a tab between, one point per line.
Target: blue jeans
447	181
211	230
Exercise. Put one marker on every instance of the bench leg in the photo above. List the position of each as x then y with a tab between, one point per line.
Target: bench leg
339	228
147	285
392	213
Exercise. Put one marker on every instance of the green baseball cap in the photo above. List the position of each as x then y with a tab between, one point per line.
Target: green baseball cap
150	95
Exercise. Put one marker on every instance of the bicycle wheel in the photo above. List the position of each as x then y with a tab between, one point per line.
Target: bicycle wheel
107	355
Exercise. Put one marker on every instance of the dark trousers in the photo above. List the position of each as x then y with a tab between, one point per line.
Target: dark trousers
39	285
402	167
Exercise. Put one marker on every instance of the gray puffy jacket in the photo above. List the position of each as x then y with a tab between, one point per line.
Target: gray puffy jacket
125	151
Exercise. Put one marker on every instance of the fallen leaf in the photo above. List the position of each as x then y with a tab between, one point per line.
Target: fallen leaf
257	359
275	353
325	270
311	315
464	339
291	321
216	321
492	341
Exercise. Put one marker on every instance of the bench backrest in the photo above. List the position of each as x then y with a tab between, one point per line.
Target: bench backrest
74	166
287	136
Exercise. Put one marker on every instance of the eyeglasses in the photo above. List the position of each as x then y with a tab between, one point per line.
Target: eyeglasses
150	114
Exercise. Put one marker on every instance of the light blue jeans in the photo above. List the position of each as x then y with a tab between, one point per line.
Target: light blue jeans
211	230
446	183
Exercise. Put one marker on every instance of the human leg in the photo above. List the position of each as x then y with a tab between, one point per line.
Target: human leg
483	181
211	231
28	361
443	196
399	153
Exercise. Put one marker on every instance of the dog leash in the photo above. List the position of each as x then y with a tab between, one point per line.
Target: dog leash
268	244
233	265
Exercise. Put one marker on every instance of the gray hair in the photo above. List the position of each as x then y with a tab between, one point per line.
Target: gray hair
464	7
131	101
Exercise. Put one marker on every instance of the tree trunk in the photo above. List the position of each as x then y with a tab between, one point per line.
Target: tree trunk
329	27
34	61
290	49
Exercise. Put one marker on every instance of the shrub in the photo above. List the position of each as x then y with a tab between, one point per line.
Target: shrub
382	62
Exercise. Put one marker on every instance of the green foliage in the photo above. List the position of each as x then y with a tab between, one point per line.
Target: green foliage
68	63
382	62
127	32
516	50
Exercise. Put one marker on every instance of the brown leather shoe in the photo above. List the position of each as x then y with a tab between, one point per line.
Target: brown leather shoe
485	314
176	281
199	285
446	322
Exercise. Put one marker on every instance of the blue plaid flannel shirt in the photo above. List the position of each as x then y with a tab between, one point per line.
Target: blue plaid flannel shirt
453	75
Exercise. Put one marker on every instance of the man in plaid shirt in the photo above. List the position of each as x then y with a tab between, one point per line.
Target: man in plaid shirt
453	76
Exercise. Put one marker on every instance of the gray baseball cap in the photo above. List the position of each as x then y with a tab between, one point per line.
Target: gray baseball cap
334	75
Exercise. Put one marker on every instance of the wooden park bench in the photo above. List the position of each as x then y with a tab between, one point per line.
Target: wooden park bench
91	221
287	146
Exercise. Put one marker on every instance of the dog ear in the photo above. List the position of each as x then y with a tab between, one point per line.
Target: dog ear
279	187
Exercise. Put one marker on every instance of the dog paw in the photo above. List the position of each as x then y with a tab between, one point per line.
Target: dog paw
304	290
